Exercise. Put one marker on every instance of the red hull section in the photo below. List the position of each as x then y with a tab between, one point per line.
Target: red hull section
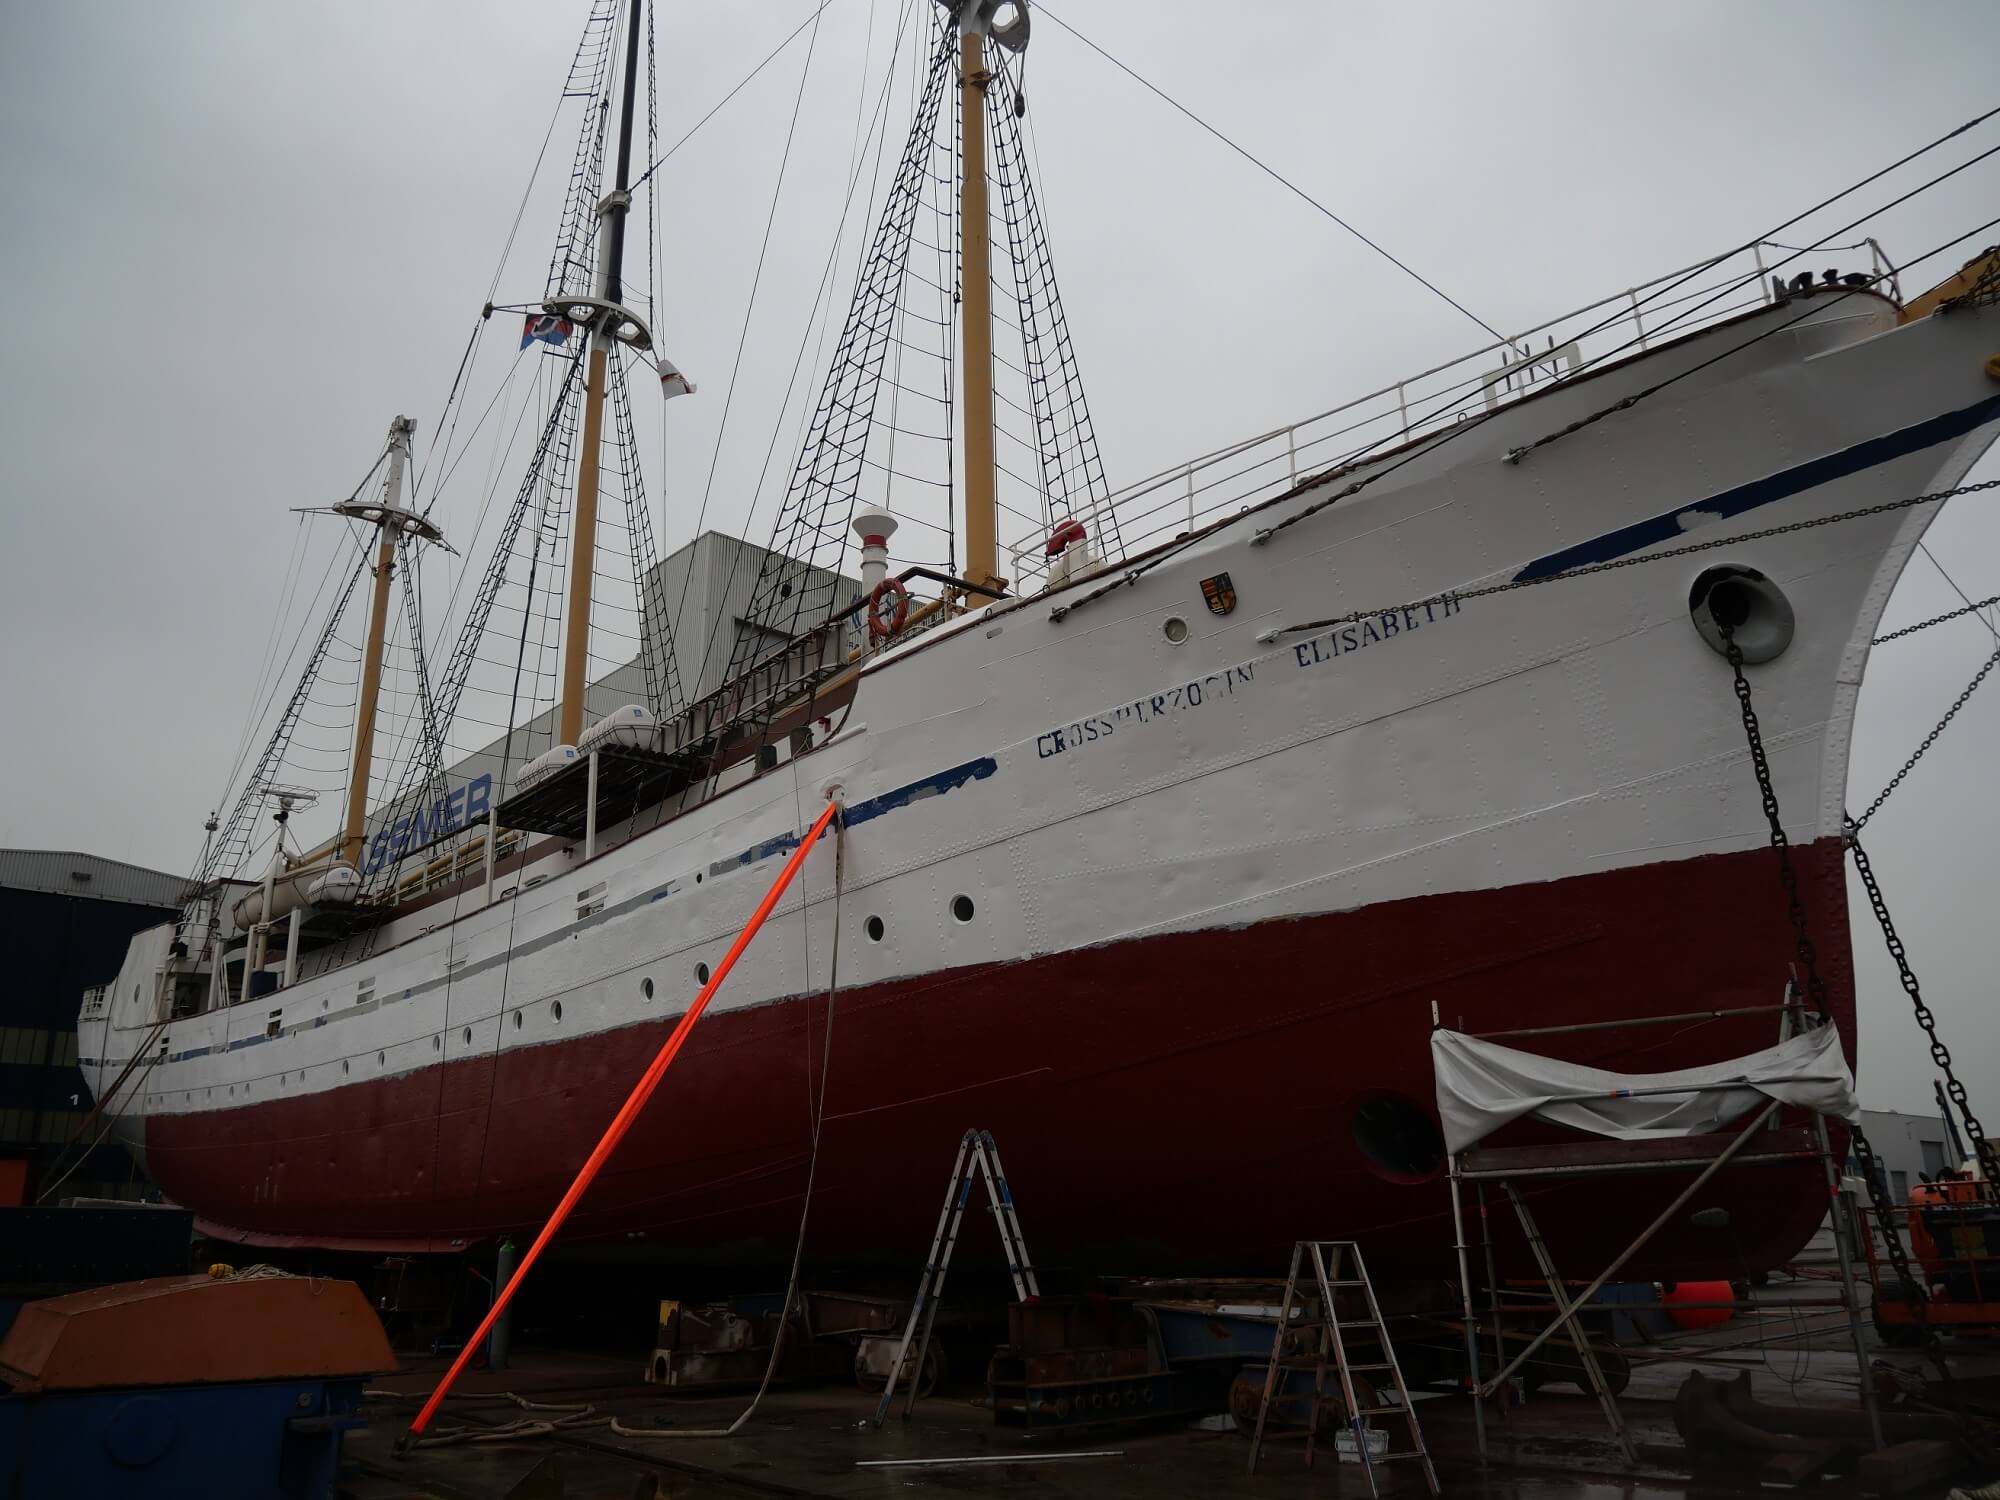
1177	1101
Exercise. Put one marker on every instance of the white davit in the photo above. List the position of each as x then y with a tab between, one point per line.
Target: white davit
631	727
543	766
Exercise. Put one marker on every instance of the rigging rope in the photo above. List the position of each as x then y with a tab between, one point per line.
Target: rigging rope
1274	175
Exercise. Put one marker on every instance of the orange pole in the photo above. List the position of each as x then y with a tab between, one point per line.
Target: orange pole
641	1092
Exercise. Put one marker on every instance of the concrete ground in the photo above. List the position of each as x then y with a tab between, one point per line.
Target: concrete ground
809	1442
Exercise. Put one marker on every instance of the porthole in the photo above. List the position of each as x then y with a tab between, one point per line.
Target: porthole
517	1020
873	927
961	908
437	1044
645	989
701	973
1175	629
555	1010
1397	1138
697	877
468	1036
343	1065
381	1059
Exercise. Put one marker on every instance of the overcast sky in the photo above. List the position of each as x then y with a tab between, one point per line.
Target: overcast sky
243	236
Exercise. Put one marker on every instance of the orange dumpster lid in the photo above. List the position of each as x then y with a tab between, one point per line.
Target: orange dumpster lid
181	1330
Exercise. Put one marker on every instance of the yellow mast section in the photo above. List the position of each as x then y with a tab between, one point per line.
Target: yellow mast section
981	509
389	519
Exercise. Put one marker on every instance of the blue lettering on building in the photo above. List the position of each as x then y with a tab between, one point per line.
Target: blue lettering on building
426	825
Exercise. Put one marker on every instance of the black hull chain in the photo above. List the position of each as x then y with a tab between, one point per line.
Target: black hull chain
1913	1289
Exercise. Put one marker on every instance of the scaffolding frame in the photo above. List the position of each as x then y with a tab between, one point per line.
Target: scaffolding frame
1503	1165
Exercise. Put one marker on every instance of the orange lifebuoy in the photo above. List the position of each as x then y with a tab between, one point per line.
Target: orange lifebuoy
879	626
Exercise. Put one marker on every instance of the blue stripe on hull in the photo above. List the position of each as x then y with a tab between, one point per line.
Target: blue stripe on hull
1767	491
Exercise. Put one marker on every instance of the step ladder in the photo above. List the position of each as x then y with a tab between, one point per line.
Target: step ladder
1335	1266
977	1155
1566	1315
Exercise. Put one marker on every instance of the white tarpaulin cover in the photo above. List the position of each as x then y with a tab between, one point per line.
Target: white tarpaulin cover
1482	1085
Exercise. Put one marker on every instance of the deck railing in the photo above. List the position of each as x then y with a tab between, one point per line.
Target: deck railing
1190	495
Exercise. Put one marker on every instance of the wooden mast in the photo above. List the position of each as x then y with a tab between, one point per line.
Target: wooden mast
389	527
981	511
610	294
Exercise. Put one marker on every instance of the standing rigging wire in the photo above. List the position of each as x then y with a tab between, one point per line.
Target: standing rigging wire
750	308
1270	172
1970	607
238	832
1072	469
769	58
656	643
1664	289
1436	440
266	681
829	464
554	441
879	122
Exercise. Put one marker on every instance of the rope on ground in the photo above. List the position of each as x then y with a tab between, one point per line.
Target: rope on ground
564	1416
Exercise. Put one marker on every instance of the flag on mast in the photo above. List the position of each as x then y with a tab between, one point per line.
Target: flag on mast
672	382
547	327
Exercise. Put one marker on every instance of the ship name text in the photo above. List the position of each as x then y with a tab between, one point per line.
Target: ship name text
1329	645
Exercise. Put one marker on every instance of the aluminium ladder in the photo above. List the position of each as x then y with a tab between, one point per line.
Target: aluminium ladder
1566	1315
977	1154
1329	1260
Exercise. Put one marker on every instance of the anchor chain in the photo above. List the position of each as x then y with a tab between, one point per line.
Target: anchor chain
1873	1175
1988	1154
1929	740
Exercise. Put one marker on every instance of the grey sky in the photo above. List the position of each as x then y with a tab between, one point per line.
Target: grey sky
240	237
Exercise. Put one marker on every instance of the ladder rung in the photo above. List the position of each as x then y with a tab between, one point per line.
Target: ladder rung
1383	1458
1384	1366
1361	1323
1332	1282
1380	1411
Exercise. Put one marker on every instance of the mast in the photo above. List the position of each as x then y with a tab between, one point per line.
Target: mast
388	524
609	317
981	563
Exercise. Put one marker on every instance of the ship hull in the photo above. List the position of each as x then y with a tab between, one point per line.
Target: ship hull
1184	1101
1158	888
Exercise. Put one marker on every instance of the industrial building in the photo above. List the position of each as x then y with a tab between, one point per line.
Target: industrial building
702	593
80	910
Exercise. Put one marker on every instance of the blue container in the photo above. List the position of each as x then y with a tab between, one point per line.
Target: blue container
266	1440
